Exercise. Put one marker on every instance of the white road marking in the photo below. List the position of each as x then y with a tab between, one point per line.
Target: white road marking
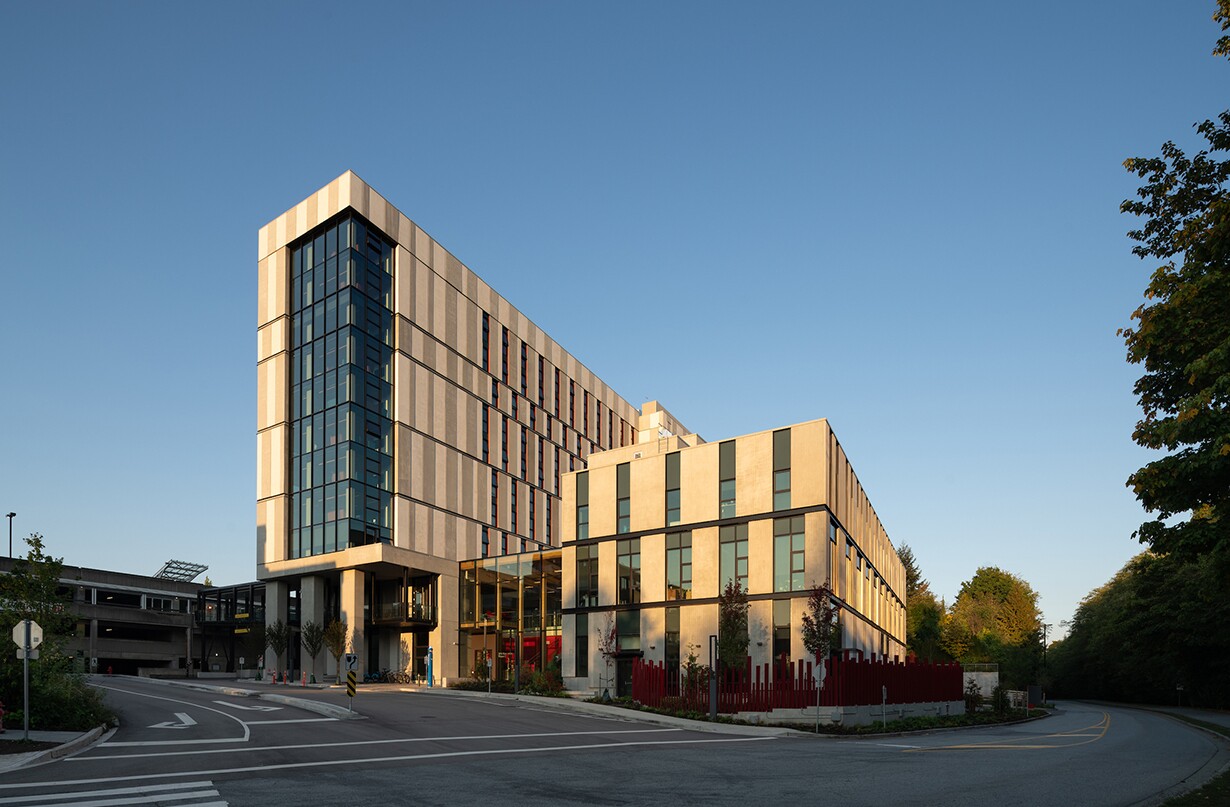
897	745
184	722
117	791
250	708
297	720
114	797
330	763
246	731
301	746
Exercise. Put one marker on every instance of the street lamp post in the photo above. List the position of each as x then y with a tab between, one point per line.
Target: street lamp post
10	517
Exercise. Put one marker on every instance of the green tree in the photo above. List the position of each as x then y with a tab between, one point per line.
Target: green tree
59	697
821	630
1182	337
995	618
336	638
914	581
924	613
1157	624
732	626
279	634
312	634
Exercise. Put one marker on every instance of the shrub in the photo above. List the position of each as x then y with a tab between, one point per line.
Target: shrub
999	701
973	697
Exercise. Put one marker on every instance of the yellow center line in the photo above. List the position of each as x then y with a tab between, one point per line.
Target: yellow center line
1102	727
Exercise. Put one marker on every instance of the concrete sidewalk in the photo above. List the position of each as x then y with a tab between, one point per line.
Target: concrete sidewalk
70	742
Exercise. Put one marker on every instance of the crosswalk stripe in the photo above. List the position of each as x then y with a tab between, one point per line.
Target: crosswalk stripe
114	797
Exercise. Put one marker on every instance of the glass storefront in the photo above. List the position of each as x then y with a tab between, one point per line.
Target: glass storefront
511	614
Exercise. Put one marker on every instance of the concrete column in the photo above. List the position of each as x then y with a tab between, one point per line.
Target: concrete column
443	639
352	613
312	604
275	609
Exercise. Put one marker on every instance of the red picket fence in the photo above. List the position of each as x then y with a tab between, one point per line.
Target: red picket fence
785	685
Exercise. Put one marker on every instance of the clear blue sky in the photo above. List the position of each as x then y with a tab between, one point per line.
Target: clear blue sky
899	216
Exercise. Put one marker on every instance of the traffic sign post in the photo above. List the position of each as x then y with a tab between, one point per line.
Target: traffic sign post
28	635
350	687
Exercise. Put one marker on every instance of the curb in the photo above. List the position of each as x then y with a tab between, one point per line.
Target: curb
59	752
319	707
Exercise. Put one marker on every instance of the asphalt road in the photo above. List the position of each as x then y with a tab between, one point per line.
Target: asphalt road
179	746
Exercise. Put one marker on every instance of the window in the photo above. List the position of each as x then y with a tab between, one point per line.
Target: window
623	499
486	543
672	643
486	341
781	470
582	645
486	433
832	531
582	505
732	541
679	566
587	576
781	629
726	479
672	489
525	369
788	544
628	629
504	356
628	553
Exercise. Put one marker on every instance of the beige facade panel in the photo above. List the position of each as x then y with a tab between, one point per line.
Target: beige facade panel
706	566
272	283
271	530
760	555
271	391
754	474
653	568
271	339
271	451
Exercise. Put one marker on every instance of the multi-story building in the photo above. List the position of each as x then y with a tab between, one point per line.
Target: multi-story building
415	433
127	623
654	532
408	418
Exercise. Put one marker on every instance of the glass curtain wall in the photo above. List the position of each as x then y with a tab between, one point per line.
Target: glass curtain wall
341	387
511	614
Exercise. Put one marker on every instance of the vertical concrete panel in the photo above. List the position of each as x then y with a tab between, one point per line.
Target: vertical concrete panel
275	610
754	473
807	475
760	555
351	605
698	478
760	631
648	488
706	563
653	568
